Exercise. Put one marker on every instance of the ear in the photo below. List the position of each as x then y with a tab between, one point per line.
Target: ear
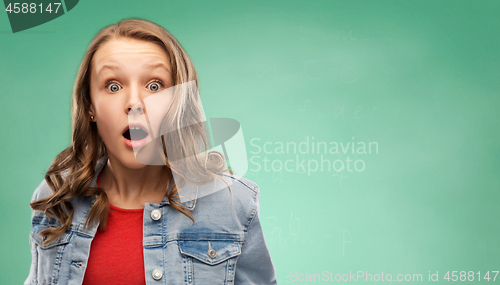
91	115
91	111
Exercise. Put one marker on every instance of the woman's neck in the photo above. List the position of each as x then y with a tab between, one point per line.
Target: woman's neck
131	188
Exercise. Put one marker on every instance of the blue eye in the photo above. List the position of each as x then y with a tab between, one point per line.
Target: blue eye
113	87
155	85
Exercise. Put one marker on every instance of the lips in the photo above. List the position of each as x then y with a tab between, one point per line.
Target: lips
135	135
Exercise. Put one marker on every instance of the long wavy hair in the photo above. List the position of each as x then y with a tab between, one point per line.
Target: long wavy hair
73	169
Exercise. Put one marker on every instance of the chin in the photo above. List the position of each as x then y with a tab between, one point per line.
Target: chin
129	162
125	158
133	164
138	158
148	154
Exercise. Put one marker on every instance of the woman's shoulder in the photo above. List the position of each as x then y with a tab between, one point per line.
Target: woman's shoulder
226	205
236	195
240	183
39	220
80	205
41	191
241	188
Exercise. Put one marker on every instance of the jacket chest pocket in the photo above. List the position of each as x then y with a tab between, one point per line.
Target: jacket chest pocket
49	257
209	261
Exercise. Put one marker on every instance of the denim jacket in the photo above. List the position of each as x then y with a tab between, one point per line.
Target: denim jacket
175	251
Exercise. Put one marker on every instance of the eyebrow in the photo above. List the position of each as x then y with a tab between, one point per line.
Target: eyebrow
156	65
150	66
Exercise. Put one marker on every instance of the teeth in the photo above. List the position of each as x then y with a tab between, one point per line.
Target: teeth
135	128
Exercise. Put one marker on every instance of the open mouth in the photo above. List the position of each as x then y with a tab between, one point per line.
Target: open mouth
135	133
135	136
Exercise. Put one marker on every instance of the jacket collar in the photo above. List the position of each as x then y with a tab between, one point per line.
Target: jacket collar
189	204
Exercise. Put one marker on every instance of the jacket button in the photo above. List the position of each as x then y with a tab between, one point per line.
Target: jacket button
211	252
155	215
157	274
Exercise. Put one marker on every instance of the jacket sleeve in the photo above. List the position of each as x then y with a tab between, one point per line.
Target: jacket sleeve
254	265
43	190
34	264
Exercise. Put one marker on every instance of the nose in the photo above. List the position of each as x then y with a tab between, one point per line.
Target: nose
133	103
139	109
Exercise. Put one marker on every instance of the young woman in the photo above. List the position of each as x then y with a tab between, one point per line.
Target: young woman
118	206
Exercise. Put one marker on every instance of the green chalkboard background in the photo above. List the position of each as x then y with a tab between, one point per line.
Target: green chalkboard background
418	81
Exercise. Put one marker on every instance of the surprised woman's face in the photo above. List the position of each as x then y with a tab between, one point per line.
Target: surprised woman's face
123	72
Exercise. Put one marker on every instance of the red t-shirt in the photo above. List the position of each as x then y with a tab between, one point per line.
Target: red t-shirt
116	255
